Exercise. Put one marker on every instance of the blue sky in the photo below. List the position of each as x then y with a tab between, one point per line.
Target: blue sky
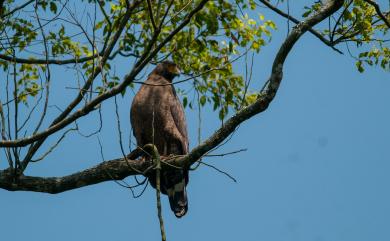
316	169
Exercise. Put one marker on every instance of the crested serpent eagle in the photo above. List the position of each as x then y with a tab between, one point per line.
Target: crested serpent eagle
157	117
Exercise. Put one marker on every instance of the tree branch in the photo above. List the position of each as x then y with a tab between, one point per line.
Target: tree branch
62	121
120	168
49	61
379	12
296	21
152	149
116	169
1	7
151	15
16	8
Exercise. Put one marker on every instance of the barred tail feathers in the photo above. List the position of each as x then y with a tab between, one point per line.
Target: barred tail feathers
177	195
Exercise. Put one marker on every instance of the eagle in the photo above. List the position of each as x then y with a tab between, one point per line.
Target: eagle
157	117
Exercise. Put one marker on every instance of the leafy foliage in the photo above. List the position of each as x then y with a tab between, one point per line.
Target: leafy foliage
205	49
360	25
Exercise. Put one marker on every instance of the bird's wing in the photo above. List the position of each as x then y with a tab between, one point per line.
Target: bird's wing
177	112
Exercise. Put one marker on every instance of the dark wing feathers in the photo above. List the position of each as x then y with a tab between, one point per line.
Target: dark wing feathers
162	103
178	116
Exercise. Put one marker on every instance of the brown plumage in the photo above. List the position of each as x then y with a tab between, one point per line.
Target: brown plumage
157	117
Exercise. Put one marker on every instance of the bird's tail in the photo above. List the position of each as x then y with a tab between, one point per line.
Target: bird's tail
177	195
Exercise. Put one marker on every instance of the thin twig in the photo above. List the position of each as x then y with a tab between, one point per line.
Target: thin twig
96	131
17	9
47	73
156	157
225	154
160	218
54	146
4	137
122	183
218	170
179	81
120	135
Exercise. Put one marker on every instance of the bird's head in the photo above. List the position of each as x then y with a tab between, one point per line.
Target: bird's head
167	69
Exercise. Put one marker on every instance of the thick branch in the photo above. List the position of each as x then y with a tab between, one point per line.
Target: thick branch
119	168
116	169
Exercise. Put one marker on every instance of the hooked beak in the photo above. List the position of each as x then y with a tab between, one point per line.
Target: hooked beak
176	71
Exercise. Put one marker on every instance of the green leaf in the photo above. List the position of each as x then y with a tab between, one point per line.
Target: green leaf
359	66
53	7
202	100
